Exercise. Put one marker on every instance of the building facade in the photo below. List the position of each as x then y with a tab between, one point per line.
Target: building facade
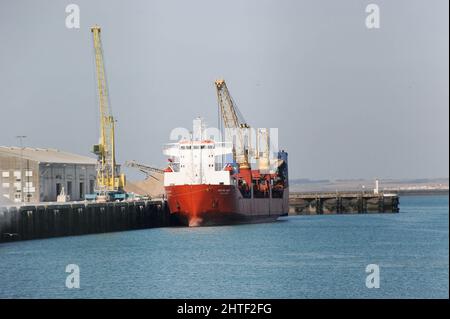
32	175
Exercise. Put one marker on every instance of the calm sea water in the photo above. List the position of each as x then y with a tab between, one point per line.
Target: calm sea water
298	257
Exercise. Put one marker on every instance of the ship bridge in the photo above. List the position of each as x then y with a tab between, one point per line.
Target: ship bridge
197	160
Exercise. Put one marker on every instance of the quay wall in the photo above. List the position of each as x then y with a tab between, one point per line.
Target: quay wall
53	220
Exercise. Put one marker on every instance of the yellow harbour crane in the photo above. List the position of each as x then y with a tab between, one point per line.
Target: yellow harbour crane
110	182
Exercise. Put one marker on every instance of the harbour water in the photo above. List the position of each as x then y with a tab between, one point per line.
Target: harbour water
296	257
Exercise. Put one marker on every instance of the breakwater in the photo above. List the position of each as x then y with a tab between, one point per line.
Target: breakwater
70	219
342	203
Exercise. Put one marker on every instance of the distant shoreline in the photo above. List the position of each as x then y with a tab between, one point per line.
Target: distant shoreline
402	187
424	192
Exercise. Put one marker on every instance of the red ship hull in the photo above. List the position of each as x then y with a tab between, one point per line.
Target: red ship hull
205	205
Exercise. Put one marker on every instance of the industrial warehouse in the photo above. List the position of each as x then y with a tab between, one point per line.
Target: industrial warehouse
33	175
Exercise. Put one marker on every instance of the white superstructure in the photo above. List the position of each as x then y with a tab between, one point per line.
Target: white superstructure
197	160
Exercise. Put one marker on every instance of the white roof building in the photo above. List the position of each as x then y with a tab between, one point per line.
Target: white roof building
31	175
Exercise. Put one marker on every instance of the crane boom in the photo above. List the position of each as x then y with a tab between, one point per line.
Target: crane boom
109	178
231	122
146	169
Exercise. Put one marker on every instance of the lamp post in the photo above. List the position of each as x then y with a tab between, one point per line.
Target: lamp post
21	137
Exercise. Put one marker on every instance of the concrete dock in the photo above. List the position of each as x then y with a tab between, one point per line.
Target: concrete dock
69	219
342	203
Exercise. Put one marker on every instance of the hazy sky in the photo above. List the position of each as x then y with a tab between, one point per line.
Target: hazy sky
349	102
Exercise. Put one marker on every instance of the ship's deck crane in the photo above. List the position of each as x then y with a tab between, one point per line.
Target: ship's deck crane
147	170
233	122
110	182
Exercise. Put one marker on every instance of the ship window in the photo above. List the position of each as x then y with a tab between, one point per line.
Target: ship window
196	147
183	147
202	147
18	175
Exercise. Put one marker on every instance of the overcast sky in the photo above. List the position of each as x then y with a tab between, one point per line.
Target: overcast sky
349	102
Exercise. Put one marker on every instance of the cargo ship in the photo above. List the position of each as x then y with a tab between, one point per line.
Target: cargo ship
209	182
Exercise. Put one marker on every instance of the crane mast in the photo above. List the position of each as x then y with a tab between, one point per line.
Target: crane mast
231	122
109	179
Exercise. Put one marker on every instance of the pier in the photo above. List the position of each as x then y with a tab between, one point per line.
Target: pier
70	219
342	203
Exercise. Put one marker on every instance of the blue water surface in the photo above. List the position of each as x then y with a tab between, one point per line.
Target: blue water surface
296	257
